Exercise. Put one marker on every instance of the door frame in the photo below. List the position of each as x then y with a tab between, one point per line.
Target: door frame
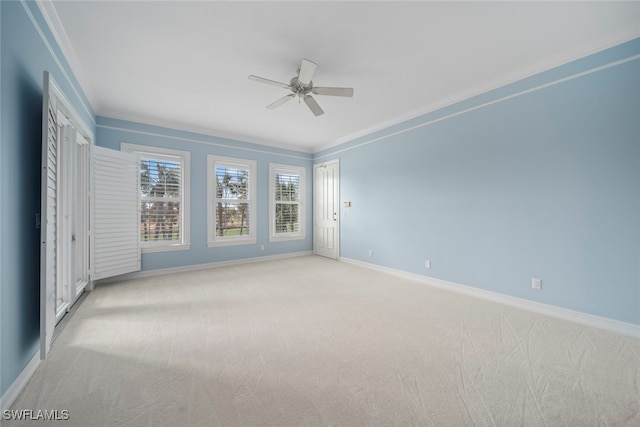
54	255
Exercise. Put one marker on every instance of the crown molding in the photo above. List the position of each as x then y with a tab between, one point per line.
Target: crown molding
199	131
532	70
50	14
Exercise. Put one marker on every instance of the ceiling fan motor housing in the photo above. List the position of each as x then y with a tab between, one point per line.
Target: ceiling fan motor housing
299	88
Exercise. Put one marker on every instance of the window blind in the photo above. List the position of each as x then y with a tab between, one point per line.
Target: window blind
160	199
287	202
233	200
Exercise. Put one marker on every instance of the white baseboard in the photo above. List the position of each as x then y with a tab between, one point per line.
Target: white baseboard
616	326
18	385
196	267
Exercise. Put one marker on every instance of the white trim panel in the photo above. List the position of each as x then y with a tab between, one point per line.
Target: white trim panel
612	325
20	383
197	267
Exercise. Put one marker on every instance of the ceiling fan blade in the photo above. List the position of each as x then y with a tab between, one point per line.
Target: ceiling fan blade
313	105
269	82
307	68
333	91
280	101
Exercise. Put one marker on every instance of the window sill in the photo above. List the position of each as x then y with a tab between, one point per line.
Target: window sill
274	239
218	243
155	249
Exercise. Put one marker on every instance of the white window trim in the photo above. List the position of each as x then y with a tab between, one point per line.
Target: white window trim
217	241
186	200
279	237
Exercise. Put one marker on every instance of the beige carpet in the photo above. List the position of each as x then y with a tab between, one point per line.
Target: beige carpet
309	341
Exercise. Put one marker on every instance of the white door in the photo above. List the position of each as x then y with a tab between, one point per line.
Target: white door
72	235
81	226
66	210
326	218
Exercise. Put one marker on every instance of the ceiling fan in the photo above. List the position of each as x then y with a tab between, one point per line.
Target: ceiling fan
302	87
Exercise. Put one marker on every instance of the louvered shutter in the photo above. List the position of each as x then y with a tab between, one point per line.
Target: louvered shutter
116	219
48	228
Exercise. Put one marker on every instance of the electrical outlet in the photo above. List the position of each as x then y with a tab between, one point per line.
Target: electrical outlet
370	252
262	247
427	263
536	284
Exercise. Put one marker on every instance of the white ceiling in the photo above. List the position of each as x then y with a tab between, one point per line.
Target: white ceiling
185	64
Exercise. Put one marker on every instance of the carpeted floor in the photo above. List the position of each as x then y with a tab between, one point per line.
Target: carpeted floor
308	341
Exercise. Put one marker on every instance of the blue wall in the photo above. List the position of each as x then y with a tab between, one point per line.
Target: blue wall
494	190
112	132
542	184
24	57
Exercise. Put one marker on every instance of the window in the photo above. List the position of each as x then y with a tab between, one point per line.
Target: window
286	202
164	197
231	204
